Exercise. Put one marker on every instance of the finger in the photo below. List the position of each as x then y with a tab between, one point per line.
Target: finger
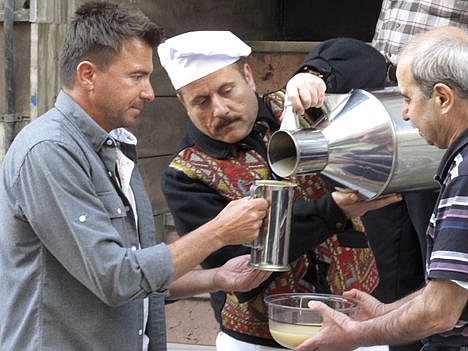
311	97
297	103
388	196
265	275
384	201
352	295
345	190
351	198
244	259
321	99
259	203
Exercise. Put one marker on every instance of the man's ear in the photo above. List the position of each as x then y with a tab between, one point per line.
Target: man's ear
86	74
181	99
443	97
249	76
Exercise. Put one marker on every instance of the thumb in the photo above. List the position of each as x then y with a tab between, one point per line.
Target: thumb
352	294
320	308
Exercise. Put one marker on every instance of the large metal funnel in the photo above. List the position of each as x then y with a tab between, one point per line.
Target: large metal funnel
362	143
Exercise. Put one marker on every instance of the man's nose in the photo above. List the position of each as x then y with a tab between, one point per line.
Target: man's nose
220	107
404	112
147	93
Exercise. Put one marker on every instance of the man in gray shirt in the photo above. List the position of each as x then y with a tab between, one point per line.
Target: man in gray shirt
79	266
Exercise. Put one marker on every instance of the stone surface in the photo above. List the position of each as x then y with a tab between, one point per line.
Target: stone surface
191	321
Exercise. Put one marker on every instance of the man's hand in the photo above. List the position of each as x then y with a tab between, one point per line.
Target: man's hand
367	305
354	206
240	221
305	90
235	275
335	333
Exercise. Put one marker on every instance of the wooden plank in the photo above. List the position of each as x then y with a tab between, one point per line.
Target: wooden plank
272	70
46	45
21	59
251	20
52	11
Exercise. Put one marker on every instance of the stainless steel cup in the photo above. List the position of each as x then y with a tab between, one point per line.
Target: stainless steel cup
270	250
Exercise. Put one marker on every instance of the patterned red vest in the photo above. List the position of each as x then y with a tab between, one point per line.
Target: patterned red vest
232	177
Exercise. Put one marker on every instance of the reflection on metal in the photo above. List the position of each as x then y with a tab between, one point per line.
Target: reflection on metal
270	251
361	143
289	119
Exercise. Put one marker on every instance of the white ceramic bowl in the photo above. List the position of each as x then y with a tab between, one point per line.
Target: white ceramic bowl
291	321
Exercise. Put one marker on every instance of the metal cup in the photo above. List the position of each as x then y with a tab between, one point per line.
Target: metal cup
270	250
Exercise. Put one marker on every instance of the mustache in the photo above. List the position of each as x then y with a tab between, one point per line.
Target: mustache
224	121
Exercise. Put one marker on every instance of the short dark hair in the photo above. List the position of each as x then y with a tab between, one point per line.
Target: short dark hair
97	33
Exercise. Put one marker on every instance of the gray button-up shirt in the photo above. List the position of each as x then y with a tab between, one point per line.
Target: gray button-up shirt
69	279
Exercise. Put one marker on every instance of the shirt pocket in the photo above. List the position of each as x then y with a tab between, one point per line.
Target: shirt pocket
116	210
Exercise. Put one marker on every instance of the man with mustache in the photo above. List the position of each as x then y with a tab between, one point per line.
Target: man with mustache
224	152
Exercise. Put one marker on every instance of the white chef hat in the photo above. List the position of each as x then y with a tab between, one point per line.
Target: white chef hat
193	55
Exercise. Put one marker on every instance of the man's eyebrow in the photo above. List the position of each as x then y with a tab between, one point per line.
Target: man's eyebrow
197	98
141	71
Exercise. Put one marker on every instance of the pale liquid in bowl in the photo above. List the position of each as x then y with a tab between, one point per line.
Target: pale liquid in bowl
291	335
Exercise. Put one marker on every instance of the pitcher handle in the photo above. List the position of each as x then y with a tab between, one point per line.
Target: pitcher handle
254	193
255	190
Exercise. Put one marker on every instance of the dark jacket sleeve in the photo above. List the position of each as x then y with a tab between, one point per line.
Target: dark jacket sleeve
347	64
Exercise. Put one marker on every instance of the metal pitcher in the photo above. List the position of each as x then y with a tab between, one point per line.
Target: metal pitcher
362	143
270	251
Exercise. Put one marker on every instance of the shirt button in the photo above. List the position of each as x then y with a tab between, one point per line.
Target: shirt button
119	211
140	332
133	248
339	225
82	218
109	142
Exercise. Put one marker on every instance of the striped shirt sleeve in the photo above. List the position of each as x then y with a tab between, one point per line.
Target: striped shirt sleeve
448	229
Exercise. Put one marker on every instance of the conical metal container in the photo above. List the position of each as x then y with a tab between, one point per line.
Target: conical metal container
361	143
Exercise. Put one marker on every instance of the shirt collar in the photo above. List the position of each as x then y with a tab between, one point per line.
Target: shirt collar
126	142
94	133
460	142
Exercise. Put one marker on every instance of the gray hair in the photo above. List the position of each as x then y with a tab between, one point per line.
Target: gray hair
441	59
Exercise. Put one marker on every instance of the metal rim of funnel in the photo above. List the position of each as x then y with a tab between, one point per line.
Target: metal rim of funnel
394	141
288	152
293	155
